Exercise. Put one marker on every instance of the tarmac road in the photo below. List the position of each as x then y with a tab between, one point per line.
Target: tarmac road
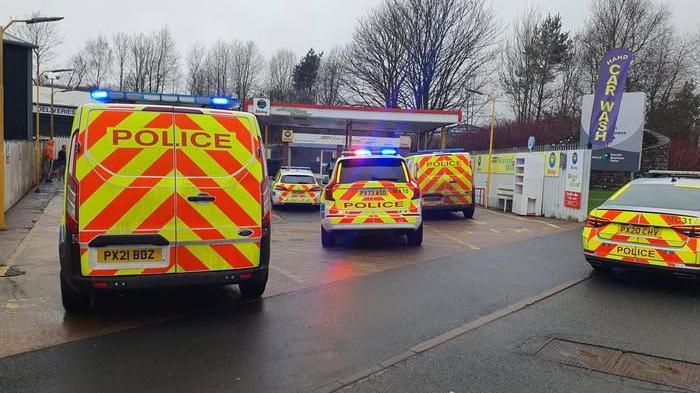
302	340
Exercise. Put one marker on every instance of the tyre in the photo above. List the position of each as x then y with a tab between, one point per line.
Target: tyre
415	238
74	301
254	287
600	268
327	238
469	212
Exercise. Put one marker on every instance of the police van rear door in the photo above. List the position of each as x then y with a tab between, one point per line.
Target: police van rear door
126	187
445	179
218	202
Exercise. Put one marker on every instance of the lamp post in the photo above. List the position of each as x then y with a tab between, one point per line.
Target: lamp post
491	98
37	144
2	106
52	79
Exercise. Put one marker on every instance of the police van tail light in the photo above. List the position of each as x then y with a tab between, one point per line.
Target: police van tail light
328	191
316	188
596	222
416	190
280	187
688	230
72	204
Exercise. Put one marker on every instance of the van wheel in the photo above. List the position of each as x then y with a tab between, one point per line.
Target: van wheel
327	238
74	301
415	238
469	212
254	287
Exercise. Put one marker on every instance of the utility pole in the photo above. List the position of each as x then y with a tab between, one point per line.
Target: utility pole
491	98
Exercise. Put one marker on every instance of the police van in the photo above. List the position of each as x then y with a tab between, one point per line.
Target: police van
163	190
445	179
295	185
371	191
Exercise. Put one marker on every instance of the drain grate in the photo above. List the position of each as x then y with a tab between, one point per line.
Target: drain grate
668	372
580	355
661	371
9	272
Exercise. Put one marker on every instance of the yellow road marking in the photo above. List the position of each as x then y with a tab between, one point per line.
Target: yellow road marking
473	247
523	218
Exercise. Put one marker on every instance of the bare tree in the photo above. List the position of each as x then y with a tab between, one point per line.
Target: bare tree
120	48
98	57
517	72
331	78
531	62
448	43
639	25
376	59
280	68
78	64
195	72
570	82
248	64
218	65
44	36
140	48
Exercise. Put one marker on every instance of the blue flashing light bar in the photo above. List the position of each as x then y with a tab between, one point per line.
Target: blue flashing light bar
389	152
167	99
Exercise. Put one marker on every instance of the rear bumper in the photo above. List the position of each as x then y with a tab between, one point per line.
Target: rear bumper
454	207
149	281
329	225
615	263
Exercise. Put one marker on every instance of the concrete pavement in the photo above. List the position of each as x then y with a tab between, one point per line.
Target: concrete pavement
639	314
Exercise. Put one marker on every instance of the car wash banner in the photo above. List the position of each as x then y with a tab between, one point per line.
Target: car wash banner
608	96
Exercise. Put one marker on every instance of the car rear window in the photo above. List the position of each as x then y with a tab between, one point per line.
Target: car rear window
366	169
298	179
659	196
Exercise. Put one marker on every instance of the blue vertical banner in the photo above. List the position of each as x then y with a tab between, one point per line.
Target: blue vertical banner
608	96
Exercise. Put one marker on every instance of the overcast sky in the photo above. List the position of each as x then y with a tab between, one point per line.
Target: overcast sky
293	24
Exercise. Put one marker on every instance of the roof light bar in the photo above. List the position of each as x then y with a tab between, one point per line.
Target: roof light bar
170	99
389	152
362	152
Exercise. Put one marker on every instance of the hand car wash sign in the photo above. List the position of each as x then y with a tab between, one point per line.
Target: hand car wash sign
608	97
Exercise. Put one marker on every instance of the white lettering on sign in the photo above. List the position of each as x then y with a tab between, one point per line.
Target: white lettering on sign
57	110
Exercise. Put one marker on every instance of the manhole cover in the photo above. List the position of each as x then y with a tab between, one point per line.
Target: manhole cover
658	370
668	372
9	272
581	355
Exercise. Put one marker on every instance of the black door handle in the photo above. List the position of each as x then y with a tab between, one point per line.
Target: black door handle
201	198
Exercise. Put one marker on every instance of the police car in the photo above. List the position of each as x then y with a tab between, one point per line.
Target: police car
445	179
371	191
651	222
295	186
163	190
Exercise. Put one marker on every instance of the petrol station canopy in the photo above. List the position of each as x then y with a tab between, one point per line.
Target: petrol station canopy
399	121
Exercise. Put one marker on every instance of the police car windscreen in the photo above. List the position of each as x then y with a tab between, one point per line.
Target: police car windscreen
659	196
381	169
298	179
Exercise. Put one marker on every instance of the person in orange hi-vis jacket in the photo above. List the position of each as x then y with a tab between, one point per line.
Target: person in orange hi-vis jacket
48	160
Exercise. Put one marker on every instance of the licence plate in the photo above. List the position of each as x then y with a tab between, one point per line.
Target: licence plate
298	192
128	255
639	230
371	193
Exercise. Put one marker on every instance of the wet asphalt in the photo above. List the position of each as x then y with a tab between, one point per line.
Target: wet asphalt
298	341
